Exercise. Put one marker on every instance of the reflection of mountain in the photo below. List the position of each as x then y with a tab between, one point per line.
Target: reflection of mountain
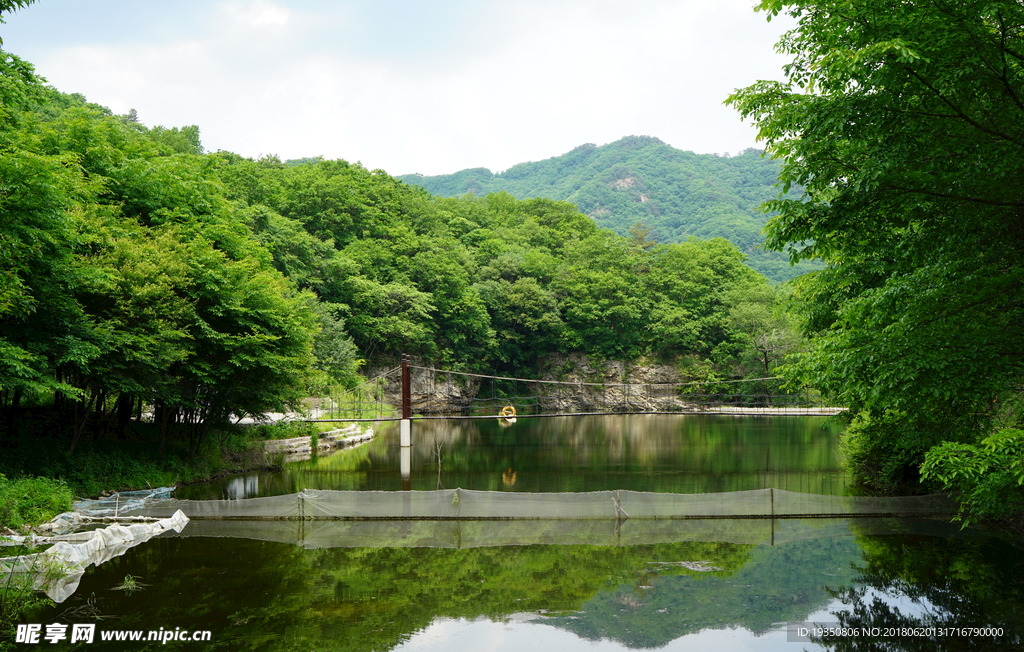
361	598
778	583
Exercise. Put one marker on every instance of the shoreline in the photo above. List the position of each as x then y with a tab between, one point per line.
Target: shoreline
296	449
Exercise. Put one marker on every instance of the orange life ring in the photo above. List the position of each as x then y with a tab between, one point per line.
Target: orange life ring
507	411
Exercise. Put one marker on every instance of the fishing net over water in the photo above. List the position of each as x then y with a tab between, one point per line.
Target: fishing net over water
459	534
462	504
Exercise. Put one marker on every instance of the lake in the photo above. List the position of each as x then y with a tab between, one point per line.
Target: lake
662	453
722	584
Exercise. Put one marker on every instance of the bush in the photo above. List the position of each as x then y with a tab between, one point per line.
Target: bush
882	454
284	430
29	501
988	478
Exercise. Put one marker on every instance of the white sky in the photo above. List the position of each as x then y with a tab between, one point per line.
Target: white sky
429	86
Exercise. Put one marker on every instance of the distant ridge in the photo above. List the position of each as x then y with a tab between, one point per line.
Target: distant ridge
640	179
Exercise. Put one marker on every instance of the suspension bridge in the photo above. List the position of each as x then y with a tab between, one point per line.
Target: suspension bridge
411	392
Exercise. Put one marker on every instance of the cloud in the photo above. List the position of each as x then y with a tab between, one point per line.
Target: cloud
420	87
256	13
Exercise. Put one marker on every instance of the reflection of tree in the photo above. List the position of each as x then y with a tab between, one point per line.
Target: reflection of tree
683	454
382	596
244	592
667	453
257	595
266	596
969	581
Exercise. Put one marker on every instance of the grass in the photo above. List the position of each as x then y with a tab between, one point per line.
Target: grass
42	478
18	598
129	585
39	477
31	500
284	430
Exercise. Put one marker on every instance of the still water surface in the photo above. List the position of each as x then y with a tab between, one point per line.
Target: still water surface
663	453
720	585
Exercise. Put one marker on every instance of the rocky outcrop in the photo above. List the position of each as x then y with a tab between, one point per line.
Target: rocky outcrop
576	383
612	385
431	392
581	385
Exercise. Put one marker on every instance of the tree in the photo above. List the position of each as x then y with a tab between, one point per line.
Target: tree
525	318
41	324
904	124
640	236
40	321
764	327
183	140
598	289
692	285
7	6
127	277
336	354
986	476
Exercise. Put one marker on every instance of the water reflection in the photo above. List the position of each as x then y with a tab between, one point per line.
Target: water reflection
242	486
444	635
415	585
262	595
911	583
664	453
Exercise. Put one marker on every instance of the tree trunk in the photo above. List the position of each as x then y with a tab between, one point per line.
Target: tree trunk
125	403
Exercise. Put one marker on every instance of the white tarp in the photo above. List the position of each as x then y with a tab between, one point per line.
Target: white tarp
58	570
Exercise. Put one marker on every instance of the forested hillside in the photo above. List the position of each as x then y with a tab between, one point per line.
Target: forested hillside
640	180
140	273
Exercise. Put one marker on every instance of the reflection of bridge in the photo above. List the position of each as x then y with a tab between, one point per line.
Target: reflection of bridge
425	392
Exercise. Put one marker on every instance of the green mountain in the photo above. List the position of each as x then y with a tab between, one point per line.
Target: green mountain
675	194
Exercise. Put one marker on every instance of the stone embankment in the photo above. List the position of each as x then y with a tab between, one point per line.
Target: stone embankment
297	448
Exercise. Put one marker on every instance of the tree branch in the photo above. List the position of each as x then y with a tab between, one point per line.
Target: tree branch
959	112
947	195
